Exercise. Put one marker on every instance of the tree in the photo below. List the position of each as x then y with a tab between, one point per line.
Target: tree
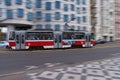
2	36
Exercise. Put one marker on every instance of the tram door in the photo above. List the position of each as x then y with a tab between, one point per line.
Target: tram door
87	40
57	39
20	40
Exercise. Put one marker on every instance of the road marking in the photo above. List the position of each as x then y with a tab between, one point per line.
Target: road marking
21	72
116	54
106	46
96	69
31	67
51	64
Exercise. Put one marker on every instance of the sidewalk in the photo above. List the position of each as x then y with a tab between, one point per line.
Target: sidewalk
108	69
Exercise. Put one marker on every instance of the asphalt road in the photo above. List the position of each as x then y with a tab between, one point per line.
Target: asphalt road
15	61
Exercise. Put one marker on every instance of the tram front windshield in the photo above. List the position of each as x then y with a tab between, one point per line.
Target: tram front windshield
68	35
79	35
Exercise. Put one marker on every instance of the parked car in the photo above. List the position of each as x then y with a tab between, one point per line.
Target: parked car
100	41
4	44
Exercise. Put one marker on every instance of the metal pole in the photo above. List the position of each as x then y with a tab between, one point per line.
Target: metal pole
69	22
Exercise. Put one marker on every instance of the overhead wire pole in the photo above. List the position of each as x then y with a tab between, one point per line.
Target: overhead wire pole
69	22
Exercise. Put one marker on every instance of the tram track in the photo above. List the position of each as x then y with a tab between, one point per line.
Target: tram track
106	45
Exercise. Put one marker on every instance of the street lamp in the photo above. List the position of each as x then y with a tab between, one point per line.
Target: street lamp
66	24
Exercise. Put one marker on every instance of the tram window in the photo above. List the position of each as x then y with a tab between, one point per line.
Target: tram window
17	38
92	35
46	35
22	38
59	38
79	36
39	36
33	35
89	37
12	36
68	35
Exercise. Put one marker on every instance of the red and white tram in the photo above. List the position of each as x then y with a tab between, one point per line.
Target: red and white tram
49	39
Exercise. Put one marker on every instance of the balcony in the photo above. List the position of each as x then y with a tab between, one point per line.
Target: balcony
93	22
93	3
93	12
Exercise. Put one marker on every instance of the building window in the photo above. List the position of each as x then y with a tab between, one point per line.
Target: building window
9	14
84	2
72	27
84	19
57	27
20	12
39	26
38	3
48	26
65	18
78	2
84	28
57	15
0	1
29	4
7	2
78	20
72	7
72	16
78	10
72	0
48	5
79	28
111	13
57	4
18	1
29	16
38	15
65	7
84	9
48	17
65	27
0	12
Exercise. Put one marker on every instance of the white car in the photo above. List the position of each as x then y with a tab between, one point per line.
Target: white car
4	44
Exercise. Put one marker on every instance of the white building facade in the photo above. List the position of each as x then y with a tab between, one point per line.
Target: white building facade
117	19
96	18
108	19
45	14
104	19
54	14
16	14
